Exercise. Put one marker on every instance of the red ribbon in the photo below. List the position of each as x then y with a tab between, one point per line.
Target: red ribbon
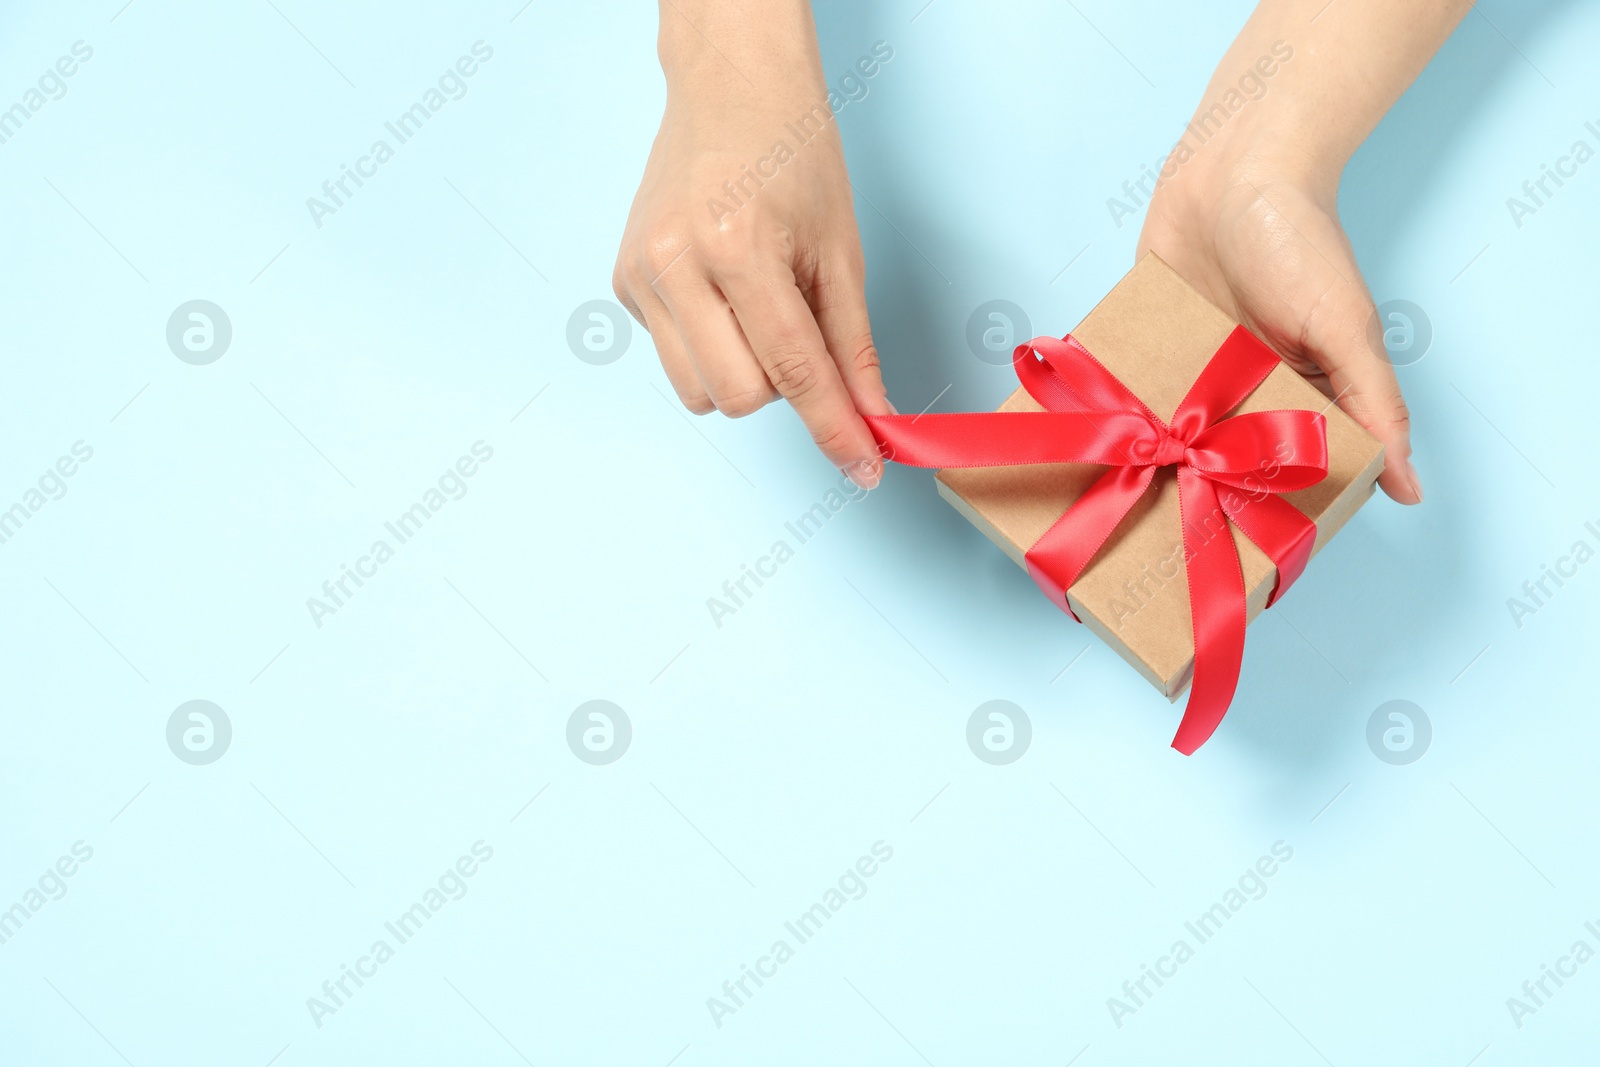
1091	417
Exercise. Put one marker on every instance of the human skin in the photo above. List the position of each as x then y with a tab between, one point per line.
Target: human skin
770	301
1251	220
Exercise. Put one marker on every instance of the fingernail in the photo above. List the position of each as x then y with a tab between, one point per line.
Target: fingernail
865	473
890	405
1416	482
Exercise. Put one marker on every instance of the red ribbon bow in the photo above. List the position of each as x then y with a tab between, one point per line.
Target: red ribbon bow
1091	417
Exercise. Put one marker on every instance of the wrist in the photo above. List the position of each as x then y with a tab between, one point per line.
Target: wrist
1303	85
1267	148
737	46
1264	107
1254	128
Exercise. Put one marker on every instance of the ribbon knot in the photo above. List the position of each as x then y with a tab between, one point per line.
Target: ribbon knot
1228	468
1168	450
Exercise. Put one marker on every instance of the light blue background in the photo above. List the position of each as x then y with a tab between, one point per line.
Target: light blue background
830	712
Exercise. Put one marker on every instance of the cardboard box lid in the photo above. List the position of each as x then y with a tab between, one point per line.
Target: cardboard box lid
1155	333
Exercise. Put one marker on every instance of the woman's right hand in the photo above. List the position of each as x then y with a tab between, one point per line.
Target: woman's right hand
741	255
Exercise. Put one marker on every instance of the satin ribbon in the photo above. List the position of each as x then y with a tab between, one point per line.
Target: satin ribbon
1232	467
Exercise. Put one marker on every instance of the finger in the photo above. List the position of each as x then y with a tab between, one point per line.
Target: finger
717	347
670	350
840	302
1344	339
784	334
623	291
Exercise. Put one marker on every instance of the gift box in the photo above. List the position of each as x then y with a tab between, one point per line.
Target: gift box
1170	349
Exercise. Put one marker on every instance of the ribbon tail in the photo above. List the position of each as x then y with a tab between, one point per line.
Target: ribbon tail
1279	529
1066	549
1216	610
1009	438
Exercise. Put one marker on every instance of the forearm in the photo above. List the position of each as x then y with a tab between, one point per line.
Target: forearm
1347	68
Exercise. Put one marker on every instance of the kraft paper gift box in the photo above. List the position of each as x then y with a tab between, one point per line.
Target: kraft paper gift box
1155	333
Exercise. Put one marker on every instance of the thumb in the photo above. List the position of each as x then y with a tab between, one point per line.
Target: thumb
1344	338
